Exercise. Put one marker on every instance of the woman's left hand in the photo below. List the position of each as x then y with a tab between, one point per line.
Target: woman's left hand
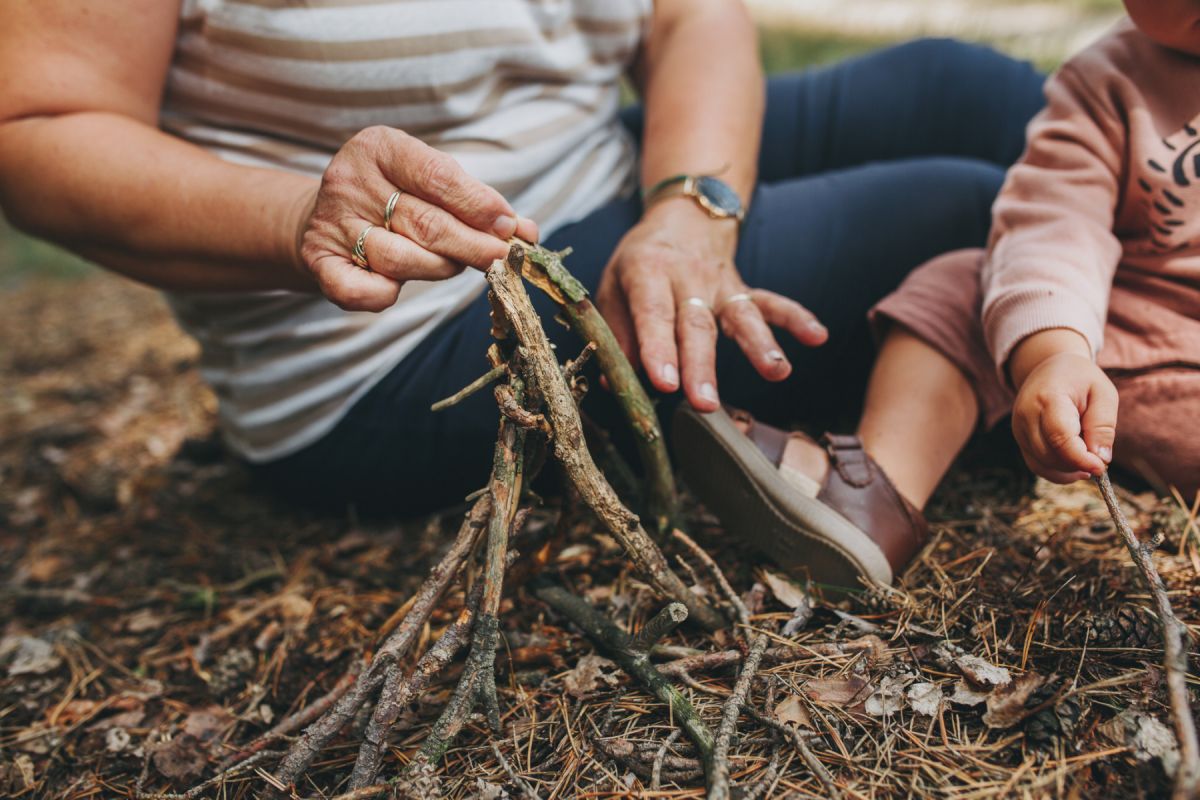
672	283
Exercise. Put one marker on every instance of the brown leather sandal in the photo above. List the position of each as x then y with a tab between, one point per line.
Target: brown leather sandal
852	527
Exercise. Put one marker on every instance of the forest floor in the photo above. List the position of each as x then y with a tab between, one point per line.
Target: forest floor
158	611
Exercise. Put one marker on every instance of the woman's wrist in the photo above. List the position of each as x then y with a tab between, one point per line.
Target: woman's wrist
684	215
1038	348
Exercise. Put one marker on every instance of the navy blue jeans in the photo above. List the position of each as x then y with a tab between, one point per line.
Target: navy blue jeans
868	169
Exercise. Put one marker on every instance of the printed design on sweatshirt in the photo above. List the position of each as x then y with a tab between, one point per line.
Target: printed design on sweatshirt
1173	178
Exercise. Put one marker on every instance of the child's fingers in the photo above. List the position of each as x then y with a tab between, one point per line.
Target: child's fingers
1100	420
1053	474
1060	427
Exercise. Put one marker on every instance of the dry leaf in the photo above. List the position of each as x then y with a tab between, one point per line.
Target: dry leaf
982	673
842	691
889	697
28	655
588	676
1007	706
1152	739
206	723
966	695
182	757
786	592
925	698
791	711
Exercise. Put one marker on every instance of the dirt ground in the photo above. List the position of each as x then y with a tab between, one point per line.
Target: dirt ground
158	612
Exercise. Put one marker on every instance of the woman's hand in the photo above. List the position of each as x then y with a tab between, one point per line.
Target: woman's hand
677	252
1065	413
445	220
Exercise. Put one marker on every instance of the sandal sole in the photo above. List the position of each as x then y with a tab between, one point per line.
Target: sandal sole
737	483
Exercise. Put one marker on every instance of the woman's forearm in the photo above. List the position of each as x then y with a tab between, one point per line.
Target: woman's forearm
151	206
703	93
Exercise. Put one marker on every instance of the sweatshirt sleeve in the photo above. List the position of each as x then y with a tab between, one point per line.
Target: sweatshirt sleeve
1053	253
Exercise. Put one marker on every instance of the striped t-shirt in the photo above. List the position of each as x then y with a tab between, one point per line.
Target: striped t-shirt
523	93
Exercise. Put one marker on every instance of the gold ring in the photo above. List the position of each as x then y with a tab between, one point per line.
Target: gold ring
359	254
699	302
391	208
740	297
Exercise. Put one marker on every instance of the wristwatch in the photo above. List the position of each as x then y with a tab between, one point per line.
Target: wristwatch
713	194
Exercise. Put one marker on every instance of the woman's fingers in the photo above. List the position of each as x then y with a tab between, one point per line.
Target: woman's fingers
742	321
697	331
352	288
397	257
652	309
783	312
438	179
438	231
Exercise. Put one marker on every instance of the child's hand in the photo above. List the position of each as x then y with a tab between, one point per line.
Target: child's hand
1065	418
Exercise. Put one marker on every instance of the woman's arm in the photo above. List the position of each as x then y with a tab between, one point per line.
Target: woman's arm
83	163
703	95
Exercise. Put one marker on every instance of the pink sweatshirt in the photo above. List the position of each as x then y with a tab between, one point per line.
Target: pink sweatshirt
1100	219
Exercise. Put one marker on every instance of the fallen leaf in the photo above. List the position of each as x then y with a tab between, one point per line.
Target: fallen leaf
180	758
837	691
1153	739
982	673
1007	706
889	697
791	711
206	723
966	695
925	698
785	591
588	676
144	620
28	655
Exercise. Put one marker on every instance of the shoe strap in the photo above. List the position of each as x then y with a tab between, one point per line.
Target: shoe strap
771	441
847	456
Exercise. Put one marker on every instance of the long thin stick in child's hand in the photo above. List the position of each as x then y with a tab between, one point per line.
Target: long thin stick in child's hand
1187	777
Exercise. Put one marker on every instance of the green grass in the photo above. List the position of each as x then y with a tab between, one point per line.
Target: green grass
23	257
784	49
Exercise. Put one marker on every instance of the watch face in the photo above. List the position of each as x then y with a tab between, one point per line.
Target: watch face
719	194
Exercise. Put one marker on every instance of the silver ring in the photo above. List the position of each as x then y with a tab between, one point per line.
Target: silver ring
359	254
699	302
740	297
390	208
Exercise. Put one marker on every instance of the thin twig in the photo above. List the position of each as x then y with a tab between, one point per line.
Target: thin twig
659	757
800	741
718	787
471	388
1175	655
517	780
741	613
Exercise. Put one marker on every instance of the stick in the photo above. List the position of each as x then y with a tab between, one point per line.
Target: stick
616	644
718	787
800	741
471	388
544	268
742	614
659	757
527	790
397	693
297	720
571	450
1175	656
394	648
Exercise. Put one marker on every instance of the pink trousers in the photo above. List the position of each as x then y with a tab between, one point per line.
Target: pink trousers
940	303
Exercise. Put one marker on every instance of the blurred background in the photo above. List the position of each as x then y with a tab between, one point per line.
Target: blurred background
794	34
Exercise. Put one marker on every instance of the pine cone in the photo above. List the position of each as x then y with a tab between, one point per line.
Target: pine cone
1129	626
1053	724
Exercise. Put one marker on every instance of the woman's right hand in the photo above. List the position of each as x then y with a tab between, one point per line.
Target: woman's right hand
444	221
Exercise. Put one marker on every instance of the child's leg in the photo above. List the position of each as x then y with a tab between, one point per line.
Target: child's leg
920	412
1156	429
